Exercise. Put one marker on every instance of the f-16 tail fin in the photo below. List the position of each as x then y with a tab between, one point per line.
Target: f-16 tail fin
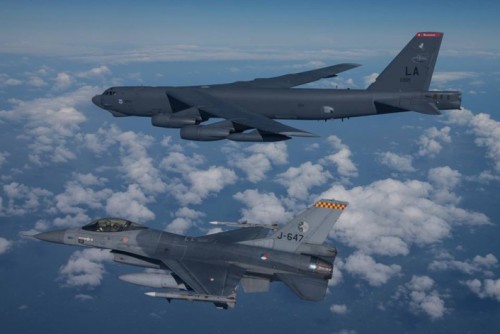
307	231
412	68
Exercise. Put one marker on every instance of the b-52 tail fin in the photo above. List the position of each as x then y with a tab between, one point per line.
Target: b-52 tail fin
411	70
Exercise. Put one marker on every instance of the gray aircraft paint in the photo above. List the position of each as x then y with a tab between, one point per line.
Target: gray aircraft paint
210	267
248	108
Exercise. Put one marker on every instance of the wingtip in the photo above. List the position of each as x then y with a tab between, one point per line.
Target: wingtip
299	134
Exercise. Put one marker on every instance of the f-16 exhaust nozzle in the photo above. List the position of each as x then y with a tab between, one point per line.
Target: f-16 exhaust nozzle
220	301
158	281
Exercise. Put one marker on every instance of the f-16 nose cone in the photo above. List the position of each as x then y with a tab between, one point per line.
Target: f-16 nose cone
52	236
97	100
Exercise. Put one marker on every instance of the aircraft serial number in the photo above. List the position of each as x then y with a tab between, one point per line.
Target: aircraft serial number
290	236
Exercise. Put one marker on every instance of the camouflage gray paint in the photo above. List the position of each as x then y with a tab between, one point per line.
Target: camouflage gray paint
210	267
249	108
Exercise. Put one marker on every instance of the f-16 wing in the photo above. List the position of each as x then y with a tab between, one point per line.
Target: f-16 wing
221	109
294	79
207	278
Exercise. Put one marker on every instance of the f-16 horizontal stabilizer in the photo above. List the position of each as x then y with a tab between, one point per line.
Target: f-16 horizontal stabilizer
307	288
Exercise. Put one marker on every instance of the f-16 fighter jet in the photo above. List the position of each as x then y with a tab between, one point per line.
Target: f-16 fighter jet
248	110
209	268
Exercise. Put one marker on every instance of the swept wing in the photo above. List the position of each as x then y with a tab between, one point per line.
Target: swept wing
207	278
293	79
200	98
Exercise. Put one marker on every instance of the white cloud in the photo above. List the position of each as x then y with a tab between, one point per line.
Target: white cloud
423	299
185	218
445	180
36	81
5	80
89	179
346	169
256	160
255	166
488	288
181	163
85	268
298	180
167	142
199	182
3	157
388	216
337	276
130	204
485	177
63	80
400	163
262	208
40	226
369	79
75	196
430	142
50	124
137	164
83	297
444	177
374	273
4	245
478	264
205	182
22	199
71	220
100	142
486	130
346	331
441	78
338	308
95	72
487	261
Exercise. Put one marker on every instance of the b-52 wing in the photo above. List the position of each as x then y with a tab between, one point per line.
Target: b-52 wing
215	107
293	79
239	119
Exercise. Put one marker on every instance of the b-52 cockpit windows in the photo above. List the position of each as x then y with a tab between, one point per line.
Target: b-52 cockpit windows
109	91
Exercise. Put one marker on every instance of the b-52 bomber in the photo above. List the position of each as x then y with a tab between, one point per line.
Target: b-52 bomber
209	268
249	109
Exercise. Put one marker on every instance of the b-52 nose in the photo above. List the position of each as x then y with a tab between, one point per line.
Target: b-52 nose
97	100
52	236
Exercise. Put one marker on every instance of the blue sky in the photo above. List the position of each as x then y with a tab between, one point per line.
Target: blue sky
418	245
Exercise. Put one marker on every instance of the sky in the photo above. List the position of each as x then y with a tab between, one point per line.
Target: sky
417	246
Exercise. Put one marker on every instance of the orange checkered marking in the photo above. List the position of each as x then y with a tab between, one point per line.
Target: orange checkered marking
328	205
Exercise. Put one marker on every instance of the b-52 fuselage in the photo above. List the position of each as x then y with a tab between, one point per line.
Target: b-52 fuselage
210	267
248	109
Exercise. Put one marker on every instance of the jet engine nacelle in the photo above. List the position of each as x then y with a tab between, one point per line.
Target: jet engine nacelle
171	121
256	136
204	132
